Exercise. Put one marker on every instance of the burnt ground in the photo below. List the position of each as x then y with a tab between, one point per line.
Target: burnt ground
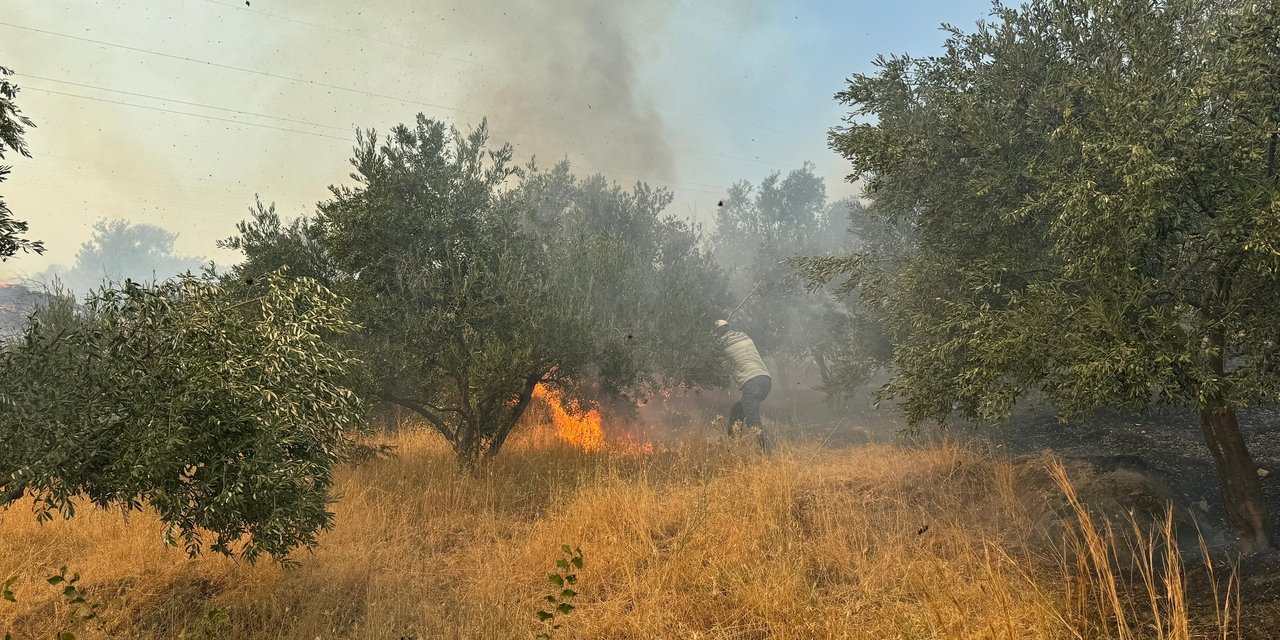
1166	447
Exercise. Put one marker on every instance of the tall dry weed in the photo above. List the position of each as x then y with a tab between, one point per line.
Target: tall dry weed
705	541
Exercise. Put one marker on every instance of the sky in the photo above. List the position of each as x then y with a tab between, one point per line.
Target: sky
177	113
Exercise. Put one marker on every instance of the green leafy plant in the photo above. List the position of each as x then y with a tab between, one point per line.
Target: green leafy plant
215	620
223	409
72	594
559	603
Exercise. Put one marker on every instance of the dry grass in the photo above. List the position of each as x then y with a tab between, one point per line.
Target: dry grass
705	542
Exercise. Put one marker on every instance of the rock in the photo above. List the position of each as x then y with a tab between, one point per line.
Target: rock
1262	473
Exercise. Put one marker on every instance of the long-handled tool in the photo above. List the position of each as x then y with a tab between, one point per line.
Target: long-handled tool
744	301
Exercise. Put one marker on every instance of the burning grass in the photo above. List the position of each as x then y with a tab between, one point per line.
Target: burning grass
707	541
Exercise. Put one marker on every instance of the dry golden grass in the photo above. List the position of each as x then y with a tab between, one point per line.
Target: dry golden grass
710	541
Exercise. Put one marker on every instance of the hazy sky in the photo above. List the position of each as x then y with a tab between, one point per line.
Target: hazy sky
176	112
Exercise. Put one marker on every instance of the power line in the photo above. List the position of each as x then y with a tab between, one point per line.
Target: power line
184	113
267	74
173	184
729	157
327	126
310	133
162	209
687	186
731	121
353	34
311	82
190	104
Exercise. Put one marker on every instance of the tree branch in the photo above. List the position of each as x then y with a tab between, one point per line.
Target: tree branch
424	411
1199	199
526	394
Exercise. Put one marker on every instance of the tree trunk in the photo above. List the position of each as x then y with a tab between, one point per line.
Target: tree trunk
1241	487
820	359
1237	475
468	446
522	403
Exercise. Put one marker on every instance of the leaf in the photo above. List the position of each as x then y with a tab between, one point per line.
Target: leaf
565	548
568	593
571	579
564	607
66	635
56	579
545	615
563	564
556	579
550	598
577	562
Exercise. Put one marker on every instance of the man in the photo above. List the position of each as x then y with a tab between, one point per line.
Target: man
749	374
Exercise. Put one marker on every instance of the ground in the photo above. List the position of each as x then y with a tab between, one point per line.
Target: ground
1165	448
706	540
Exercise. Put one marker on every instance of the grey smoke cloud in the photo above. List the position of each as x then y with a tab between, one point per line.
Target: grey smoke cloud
562	78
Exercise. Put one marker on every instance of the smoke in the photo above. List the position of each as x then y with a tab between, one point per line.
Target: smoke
562	78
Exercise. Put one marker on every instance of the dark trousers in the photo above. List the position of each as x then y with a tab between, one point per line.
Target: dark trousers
747	410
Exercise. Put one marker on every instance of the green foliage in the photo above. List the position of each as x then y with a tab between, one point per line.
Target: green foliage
268	243
222	409
1093	189
643	275
560	601
211	627
12	128
1098	219
72	595
856	343
475	281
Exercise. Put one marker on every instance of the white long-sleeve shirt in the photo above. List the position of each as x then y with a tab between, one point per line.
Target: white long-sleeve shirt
744	357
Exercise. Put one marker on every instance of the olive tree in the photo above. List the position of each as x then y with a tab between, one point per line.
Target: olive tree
223	410
476	280
13	125
1092	186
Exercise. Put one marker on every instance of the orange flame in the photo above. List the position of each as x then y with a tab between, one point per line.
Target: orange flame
582	430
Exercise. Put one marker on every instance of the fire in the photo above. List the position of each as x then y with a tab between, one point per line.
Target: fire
583	430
